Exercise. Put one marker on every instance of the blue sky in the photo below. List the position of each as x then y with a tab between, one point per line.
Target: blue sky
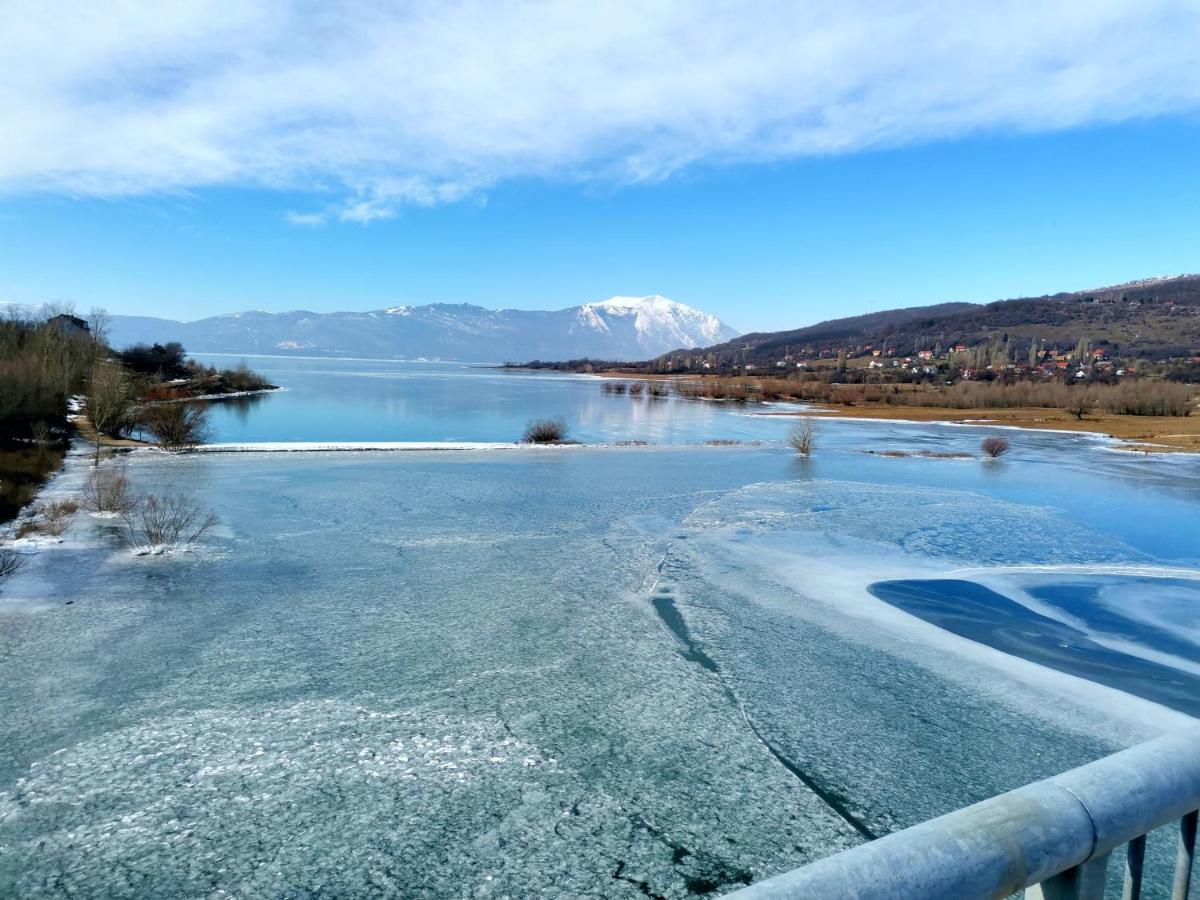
821	160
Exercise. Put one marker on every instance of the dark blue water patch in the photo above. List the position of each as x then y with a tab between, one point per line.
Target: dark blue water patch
664	604
1081	600
982	615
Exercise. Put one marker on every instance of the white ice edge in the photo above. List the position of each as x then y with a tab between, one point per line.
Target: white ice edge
432	446
322	446
254	393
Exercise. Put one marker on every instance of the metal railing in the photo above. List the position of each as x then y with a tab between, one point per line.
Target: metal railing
1052	838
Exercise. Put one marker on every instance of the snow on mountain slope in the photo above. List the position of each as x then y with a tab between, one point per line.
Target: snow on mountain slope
620	328
659	321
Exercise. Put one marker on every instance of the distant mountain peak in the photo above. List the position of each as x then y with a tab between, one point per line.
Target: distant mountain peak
659	319
622	302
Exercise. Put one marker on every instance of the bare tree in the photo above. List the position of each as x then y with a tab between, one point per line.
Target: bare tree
109	398
1079	403
155	524
107	490
98	321
802	436
994	447
177	427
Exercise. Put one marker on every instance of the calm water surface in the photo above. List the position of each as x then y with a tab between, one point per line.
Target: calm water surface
370	400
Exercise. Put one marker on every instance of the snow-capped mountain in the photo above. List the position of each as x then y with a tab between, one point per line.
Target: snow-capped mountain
620	328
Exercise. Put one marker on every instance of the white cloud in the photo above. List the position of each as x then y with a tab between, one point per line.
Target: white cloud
424	102
307	220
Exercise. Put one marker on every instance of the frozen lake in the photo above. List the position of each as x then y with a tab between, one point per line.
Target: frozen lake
572	672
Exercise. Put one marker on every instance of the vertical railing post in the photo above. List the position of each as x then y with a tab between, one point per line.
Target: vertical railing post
1083	882
1187	853
1135	855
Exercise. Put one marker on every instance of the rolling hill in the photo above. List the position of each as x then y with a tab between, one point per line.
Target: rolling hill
1157	318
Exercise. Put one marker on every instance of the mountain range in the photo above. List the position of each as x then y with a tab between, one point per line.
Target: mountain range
620	328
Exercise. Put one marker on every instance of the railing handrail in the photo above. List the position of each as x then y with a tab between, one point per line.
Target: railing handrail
1018	839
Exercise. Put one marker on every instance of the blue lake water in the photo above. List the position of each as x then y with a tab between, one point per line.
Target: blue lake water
571	672
371	400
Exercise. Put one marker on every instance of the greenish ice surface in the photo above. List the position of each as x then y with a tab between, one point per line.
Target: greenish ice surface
616	672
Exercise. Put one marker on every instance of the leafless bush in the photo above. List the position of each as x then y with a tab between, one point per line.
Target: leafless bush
108	490
48	518
11	561
155	524
637	388
545	431
40	431
177	427
657	389
803	435
994	447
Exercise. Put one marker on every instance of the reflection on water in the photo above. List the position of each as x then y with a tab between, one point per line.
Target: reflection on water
349	400
983	615
239	407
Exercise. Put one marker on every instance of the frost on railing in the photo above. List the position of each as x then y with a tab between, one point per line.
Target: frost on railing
1052	838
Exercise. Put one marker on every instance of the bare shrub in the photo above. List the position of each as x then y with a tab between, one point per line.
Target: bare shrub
156	524
108	491
739	390
803	435
657	389
994	447
48	518
40	431
243	378
637	388
545	431
1149	399
178	427
11	561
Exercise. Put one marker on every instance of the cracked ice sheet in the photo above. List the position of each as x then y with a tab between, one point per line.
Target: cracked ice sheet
901	719
352	603
348	695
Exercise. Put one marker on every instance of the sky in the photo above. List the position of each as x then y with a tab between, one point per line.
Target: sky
808	161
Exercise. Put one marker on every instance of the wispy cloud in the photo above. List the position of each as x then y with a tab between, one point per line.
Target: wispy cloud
427	102
307	220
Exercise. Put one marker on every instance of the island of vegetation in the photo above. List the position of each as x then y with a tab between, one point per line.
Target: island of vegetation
59	378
